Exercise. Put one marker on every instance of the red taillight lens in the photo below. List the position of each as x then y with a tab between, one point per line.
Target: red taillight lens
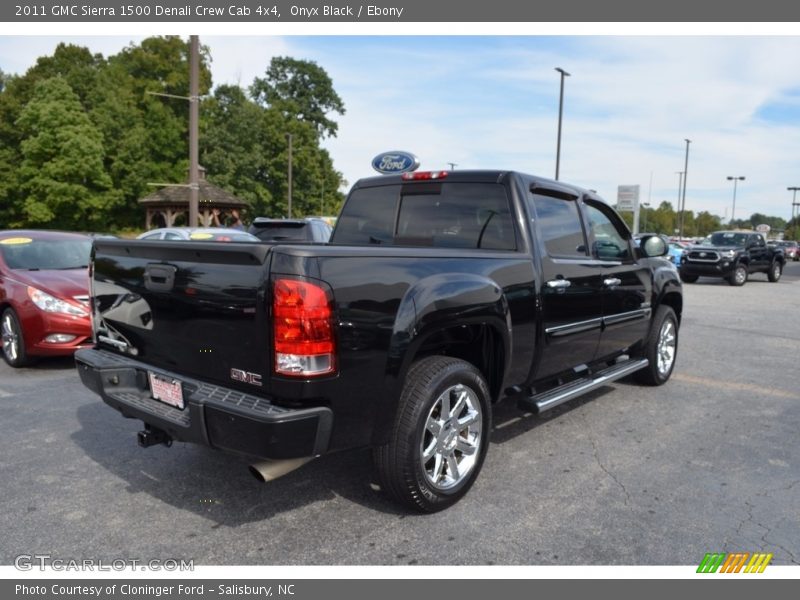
303	329
424	175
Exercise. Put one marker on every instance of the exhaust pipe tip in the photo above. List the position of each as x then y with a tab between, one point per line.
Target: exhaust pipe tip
270	470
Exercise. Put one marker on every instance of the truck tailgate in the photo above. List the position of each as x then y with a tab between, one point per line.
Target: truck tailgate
193	308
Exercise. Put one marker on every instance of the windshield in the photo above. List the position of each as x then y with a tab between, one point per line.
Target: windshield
726	238
25	253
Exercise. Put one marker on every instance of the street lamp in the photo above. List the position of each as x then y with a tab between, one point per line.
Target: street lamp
794	199
680	187
645	205
560	115
685	177
735	179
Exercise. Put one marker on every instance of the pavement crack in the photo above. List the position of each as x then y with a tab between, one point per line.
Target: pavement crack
600	464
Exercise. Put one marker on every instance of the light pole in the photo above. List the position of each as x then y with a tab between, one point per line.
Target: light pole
645	205
680	187
735	179
685	177
794	200
560	115
452	166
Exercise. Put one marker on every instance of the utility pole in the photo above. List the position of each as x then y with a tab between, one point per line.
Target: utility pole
194	119
289	136
452	166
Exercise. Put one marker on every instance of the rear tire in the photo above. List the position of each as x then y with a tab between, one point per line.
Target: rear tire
13	341
660	348
739	276
440	435
775	271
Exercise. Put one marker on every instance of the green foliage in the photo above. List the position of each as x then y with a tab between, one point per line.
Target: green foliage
62	178
81	136
666	220
300	89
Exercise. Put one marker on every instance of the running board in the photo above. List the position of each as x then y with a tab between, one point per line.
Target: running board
552	398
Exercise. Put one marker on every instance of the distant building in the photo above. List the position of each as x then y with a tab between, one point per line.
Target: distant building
169	206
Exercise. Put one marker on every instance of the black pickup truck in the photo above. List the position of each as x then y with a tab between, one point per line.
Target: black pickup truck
439	294
732	255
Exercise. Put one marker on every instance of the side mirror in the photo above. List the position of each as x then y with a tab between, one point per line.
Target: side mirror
653	245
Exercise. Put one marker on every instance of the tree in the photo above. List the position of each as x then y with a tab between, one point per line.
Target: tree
300	89
707	223
62	179
244	148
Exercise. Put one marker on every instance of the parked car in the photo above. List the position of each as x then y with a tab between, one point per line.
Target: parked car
734	256
790	249
438	295
44	294
674	249
309	229
198	234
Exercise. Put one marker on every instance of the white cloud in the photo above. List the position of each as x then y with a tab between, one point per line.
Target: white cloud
492	102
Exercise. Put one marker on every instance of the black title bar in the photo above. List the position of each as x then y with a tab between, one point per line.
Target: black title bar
403	11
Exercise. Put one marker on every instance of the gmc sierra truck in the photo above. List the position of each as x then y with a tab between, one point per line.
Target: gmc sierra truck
732	255
439	294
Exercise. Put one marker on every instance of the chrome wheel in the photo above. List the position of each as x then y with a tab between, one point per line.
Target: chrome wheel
665	351
10	338
451	442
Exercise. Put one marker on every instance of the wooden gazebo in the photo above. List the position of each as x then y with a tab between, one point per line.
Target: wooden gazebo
170	204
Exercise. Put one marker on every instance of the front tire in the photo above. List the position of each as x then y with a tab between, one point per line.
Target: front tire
689	278
660	348
440	435
775	271
13	341
739	276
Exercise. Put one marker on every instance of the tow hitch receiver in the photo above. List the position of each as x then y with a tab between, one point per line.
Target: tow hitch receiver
152	436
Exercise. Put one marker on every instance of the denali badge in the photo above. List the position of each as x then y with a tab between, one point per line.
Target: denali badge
246	377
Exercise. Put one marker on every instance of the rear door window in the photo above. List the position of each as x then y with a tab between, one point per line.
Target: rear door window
560	225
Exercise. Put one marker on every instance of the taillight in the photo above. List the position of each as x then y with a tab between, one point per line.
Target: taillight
302	329
424	175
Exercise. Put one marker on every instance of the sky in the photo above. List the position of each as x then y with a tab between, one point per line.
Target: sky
491	101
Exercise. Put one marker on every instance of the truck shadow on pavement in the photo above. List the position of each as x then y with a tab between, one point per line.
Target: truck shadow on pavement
510	423
217	485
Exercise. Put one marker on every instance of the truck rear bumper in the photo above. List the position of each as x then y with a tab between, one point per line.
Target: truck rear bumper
213	416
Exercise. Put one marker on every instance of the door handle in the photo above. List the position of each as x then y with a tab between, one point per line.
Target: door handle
559	283
611	281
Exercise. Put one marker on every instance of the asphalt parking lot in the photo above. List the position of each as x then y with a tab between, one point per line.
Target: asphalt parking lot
709	462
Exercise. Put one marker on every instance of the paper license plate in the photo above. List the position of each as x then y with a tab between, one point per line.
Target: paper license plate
166	389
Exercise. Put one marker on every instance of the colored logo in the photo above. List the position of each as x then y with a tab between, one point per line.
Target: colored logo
395	161
735	562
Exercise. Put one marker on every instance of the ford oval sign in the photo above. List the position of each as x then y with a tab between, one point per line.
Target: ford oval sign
396	161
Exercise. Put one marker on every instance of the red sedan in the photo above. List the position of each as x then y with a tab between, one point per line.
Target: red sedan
44	294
